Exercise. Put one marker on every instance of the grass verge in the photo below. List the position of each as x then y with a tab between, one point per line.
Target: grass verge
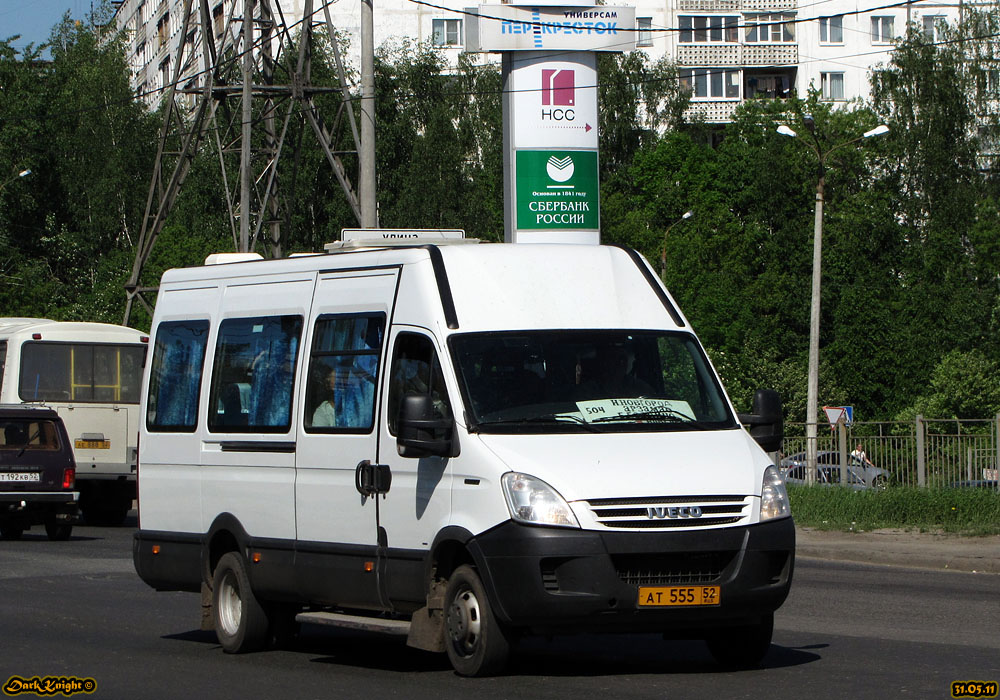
959	511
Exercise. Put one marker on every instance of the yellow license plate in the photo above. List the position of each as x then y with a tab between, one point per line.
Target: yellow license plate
658	596
93	444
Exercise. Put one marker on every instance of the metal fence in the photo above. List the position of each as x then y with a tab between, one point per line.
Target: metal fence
928	452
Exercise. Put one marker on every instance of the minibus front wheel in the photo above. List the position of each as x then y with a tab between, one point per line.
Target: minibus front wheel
241	622
475	642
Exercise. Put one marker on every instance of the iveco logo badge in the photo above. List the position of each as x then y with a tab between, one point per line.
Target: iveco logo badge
674	512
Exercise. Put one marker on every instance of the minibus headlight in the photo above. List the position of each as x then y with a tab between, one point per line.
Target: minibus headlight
532	501
773	496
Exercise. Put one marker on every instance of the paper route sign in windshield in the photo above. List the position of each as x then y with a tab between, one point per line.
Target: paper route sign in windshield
643	409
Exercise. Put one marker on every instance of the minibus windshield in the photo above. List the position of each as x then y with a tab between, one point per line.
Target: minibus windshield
587	380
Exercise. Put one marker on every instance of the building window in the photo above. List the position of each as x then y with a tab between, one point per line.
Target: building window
708	29
882	30
769	29
165	72
163	28
768	86
447	32
934	27
218	19
715	83
832	86
645	27
831	30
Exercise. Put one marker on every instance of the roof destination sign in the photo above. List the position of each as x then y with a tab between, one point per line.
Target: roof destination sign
542	28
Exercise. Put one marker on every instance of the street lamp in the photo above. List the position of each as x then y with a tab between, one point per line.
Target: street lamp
663	250
23	173
813	391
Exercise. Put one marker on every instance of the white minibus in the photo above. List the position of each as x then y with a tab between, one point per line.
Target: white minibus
90	373
464	443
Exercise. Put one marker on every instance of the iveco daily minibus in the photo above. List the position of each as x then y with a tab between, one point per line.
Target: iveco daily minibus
464	443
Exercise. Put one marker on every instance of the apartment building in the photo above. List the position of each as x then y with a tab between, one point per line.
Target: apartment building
727	50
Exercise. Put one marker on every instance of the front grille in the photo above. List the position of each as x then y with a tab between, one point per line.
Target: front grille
679	568
666	512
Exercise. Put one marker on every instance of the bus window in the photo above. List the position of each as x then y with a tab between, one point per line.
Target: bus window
81	372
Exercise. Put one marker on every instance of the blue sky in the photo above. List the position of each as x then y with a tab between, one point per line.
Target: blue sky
34	19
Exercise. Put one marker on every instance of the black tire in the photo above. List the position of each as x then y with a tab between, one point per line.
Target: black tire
475	642
240	620
11	532
57	531
742	647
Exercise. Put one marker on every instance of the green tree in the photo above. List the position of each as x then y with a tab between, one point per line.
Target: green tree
75	123
962	385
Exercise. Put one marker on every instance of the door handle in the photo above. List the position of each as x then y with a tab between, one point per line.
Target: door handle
371	479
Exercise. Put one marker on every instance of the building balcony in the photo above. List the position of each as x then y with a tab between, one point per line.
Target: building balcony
712	111
737	54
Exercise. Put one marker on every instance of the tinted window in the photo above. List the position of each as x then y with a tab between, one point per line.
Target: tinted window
343	373
565	381
416	370
81	372
175	375
254	374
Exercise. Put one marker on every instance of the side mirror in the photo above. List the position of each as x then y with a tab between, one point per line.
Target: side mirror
767	423
421	432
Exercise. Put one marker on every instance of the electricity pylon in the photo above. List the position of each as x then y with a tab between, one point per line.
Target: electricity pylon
240	66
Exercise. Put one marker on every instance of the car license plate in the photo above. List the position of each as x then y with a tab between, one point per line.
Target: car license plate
20	476
93	444
658	596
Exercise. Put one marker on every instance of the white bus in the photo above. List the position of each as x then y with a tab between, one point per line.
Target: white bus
91	374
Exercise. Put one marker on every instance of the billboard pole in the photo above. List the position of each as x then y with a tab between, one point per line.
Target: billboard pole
550	115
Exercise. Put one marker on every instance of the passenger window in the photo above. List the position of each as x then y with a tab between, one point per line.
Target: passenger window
343	373
253	378
175	376
416	370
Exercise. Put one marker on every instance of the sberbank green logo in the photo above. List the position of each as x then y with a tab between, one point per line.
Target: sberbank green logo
557	190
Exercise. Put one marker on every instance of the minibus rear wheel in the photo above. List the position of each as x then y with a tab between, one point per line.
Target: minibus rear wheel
475	642
241	623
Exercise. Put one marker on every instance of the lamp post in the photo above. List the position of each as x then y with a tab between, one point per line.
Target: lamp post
812	397
23	173
663	249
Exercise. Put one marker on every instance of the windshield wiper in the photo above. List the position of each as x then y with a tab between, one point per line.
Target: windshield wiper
27	442
550	419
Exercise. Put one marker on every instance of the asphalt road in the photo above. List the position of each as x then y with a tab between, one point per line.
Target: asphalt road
848	630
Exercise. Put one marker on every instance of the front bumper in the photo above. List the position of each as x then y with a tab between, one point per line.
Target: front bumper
554	579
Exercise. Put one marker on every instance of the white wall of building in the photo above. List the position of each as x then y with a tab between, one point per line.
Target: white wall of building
725	60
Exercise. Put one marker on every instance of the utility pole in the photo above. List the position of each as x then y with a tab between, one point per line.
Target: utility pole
237	62
369	212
